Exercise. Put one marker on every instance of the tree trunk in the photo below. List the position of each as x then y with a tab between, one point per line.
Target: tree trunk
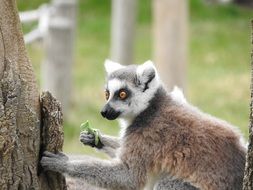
248	175
170	40
51	139
247	3
20	119
123	31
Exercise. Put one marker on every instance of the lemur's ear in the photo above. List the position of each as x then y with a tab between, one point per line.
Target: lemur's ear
146	73
111	66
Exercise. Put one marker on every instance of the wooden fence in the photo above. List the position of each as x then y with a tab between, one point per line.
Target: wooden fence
56	28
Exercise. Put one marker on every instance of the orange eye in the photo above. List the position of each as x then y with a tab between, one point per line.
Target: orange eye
122	95
107	94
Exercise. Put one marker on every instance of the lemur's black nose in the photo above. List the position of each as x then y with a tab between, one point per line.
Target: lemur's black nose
109	113
104	112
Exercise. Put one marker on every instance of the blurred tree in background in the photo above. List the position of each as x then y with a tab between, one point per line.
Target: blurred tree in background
247	3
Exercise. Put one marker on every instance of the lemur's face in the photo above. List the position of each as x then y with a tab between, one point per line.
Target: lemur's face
128	89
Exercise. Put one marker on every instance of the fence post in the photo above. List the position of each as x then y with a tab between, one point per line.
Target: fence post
170	40
59	49
122	30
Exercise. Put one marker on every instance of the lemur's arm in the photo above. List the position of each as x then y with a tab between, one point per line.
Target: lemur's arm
101	173
107	144
106	174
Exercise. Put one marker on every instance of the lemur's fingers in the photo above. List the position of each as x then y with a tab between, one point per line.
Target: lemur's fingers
63	156
45	163
58	156
91	139
87	139
88	142
86	135
49	154
84	132
57	164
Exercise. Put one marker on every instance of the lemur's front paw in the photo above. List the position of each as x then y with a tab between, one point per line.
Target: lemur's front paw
87	138
54	162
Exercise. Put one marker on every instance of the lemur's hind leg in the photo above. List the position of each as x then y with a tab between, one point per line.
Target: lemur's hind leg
107	144
168	182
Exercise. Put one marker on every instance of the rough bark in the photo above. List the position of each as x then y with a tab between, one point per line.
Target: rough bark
248	175
20	125
51	139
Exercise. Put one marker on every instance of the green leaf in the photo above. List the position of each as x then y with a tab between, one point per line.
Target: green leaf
96	137
86	127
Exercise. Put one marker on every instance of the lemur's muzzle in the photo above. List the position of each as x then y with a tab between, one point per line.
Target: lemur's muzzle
109	113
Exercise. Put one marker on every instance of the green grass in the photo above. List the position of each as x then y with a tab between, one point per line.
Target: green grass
218	70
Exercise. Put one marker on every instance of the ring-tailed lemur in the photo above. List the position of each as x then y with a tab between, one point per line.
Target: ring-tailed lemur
162	136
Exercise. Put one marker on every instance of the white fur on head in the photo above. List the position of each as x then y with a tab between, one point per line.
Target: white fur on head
111	66
113	86
148	80
145	71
